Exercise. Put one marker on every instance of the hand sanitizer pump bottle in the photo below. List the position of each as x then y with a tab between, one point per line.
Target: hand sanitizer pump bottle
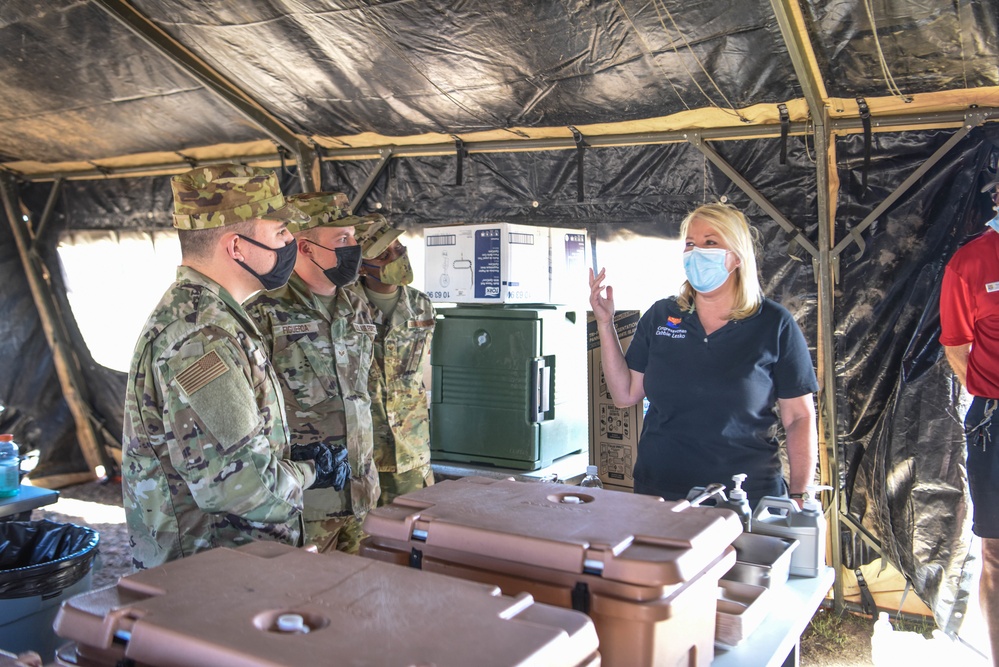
738	502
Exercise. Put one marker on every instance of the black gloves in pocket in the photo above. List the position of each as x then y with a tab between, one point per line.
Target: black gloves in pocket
332	467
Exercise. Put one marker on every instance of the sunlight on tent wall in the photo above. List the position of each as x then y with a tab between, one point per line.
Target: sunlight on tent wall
113	281
641	269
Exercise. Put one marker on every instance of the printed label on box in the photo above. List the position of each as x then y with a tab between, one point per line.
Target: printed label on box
614	431
575	252
488	260
569	284
487	263
616	462
441	289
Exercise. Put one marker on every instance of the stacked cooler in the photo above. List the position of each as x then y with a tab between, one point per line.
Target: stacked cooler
509	386
646	571
270	604
509	373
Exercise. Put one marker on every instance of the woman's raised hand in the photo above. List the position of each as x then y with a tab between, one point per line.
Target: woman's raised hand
602	306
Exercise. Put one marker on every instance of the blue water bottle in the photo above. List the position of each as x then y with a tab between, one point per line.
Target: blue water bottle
10	466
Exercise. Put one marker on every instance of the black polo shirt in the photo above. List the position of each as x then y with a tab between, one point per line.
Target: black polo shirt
712	398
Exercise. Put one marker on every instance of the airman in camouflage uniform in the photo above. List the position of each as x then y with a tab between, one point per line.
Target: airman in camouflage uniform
404	317
320	340
206	458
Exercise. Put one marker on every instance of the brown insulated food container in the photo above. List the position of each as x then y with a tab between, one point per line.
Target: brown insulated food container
645	570
221	608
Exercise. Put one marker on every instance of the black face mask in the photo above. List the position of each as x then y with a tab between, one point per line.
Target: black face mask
278	276
348	262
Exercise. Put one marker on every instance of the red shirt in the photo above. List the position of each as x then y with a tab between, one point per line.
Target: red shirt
969	311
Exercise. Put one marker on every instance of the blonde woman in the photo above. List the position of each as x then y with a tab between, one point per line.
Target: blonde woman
714	362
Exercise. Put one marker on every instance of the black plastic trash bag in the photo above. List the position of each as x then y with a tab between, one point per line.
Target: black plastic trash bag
43	557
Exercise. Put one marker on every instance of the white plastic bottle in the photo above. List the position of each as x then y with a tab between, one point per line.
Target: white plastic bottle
10	468
807	525
591	480
882	646
738	502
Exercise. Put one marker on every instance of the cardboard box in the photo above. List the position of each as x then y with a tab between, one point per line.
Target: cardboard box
569	260
614	431
622	489
488	263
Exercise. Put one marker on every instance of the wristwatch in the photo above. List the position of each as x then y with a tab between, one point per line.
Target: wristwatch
804	496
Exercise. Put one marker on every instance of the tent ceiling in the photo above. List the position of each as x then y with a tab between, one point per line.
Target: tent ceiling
84	91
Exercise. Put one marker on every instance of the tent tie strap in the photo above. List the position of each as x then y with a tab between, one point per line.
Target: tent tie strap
320	152
460	154
867	603
284	154
192	163
865	119
580	151
785	129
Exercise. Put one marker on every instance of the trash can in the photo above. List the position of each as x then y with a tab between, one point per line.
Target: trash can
42	563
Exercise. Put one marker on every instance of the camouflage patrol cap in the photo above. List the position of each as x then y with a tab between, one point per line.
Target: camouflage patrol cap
225	194
374	234
325	209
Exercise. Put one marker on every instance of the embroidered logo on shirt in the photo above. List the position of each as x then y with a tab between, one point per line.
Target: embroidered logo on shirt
201	372
296	329
365	328
419	324
671	329
991	287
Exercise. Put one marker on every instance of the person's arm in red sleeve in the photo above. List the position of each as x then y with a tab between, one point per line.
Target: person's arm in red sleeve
957	325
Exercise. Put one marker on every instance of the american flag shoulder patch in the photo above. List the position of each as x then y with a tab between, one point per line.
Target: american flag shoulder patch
201	372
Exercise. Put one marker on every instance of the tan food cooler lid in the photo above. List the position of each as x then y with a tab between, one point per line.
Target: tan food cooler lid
632	539
221	607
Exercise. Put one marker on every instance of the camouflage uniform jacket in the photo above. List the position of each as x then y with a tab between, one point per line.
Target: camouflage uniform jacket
204	447
399	413
323	359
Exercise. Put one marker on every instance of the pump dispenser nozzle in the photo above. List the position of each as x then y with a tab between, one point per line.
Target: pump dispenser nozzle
737	493
813	504
739	502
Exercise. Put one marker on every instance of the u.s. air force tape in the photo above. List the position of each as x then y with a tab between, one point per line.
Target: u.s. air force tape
201	372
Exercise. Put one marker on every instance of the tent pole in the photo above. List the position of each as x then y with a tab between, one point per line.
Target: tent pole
797	236
369	182
838	126
972	120
227	91
793	29
826	271
66	363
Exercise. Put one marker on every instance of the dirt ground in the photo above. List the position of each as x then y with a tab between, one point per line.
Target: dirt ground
837	641
830	641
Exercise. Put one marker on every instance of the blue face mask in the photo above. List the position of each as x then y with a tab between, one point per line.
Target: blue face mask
994	222
705	268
